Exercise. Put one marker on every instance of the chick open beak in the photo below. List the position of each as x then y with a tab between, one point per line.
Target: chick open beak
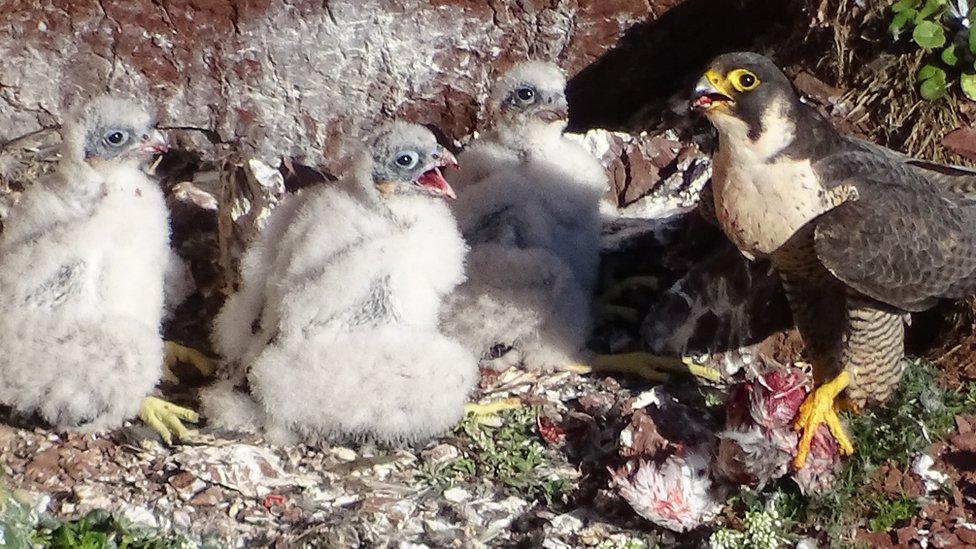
434	181
153	143
711	92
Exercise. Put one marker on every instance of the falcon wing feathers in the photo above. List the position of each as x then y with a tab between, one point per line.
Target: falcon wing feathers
903	242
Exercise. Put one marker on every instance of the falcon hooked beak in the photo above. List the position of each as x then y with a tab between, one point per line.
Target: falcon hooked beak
712	92
433	180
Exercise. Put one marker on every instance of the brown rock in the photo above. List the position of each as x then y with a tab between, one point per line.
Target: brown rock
875	539
181	481
966	536
945	539
961	141
82	465
963	425
965	442
906	535
816	89
208	497
45	465
291	79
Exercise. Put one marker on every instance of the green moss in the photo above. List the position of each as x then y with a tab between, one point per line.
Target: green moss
891	512
511	453
21	528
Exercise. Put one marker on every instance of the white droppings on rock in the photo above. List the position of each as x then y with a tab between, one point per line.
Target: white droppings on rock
251	470
933	479
456	495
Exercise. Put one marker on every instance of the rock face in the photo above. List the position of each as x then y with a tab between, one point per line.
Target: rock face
293	78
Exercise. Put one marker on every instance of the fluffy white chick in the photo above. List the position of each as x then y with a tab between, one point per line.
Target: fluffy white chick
335	327
82	259
529	208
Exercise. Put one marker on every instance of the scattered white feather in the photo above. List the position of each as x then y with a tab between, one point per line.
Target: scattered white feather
933	479
676	493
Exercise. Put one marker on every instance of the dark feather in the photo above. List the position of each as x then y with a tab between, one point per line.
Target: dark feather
904	242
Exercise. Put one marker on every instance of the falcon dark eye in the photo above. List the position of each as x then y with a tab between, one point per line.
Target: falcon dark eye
407	159
525	94
115	138
743	80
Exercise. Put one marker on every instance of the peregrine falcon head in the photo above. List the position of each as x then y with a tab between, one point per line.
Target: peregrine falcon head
111	130
744	95
407	160
533	91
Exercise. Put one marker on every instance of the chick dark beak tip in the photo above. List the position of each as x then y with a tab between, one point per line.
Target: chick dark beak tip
554	114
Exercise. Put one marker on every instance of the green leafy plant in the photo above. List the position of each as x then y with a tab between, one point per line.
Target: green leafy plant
890	512
942	29
511	453
21	527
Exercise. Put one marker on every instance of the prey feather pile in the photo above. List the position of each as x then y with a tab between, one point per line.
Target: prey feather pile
759	440
667	478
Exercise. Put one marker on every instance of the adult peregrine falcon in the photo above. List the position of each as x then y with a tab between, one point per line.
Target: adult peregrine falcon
859	237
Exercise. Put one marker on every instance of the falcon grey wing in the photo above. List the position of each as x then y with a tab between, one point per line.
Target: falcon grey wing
902	242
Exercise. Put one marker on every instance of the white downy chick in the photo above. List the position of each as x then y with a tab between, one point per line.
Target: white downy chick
81	275
529	208
335	326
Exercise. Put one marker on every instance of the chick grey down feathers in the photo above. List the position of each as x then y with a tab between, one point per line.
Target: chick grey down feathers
334	331
529	208
81	278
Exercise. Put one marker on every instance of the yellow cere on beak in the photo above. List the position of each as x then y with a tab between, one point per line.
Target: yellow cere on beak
713	90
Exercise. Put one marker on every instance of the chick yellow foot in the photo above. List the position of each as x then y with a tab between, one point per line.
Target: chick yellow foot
821	407
176	353
493	407
166	418
608	312
648	366
616	290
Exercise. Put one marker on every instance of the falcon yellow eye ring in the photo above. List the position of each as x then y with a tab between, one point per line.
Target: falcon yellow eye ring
743	80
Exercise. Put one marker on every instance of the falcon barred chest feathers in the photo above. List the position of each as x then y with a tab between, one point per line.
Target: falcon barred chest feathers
858	234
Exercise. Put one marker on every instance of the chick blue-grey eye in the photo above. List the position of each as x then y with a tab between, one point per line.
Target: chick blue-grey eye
525	94
115	137
407	159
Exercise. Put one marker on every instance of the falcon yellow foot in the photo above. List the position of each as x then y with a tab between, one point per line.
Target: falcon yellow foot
617	290
617	313
166	418
176	353
608	311
493	407
820	407
648	366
